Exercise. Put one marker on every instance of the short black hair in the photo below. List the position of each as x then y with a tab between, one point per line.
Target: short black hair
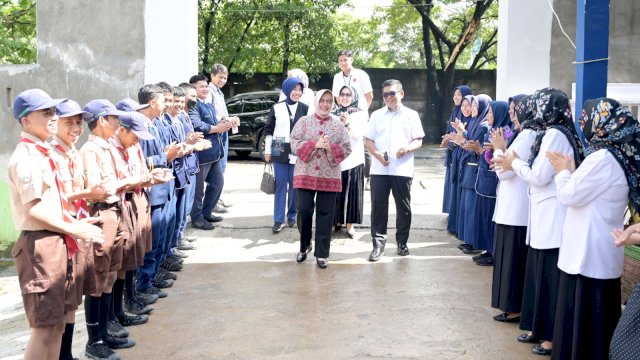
148	92
179	91
195	78
186	86
392	82
166	88
219	68
347	53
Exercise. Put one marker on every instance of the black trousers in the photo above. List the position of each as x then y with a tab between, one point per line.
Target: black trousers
400	187
324	205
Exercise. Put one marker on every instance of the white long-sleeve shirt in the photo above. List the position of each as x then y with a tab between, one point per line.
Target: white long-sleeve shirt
596	195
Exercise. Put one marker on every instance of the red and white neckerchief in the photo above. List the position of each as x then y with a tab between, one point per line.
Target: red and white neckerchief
72	244
80	205
121	173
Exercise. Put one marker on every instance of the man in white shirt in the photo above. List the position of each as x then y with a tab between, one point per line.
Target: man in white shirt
393	133
359	79
219	75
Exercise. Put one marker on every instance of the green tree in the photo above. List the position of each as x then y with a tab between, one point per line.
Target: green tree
268	36
17	32
448	29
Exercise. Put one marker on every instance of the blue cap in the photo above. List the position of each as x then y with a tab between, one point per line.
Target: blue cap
101	107
130	105
71	108
32	100
135	122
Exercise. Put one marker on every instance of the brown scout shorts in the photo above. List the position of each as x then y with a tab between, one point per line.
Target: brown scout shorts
83	270
41	263
107	257
143	225
129	258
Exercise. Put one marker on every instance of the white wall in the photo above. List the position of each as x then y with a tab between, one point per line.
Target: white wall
171	41
524	47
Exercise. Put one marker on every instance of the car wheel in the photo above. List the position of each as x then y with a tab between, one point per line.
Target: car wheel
261	144
243	153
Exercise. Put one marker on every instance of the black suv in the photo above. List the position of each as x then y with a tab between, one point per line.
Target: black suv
253	110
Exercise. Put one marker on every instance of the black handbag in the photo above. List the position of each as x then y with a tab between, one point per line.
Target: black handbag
268	183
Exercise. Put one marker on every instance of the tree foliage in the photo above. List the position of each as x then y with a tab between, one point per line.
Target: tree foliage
17	32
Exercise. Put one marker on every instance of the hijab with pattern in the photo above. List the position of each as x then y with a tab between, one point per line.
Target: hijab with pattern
351	108
607	125
551	110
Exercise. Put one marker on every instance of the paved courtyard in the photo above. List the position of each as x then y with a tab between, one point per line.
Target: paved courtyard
241	294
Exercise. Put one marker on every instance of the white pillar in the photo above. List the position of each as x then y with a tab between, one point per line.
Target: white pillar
524	47
171	40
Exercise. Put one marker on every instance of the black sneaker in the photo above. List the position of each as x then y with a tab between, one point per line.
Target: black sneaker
213	218
146	299
291	223
173	259
118	343
153	290
163	274
202	224
115	329
162	284
277	227
132	320
99	350
136	307
482	255
185	245
170	266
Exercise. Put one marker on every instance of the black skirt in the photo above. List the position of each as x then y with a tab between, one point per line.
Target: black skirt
540	294
586	316
625	344
509	264
349	202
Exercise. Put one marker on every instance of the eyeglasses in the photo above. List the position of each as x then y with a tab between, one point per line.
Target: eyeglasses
390	93
345	95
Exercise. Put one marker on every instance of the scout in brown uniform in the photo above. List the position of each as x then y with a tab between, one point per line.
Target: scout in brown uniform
101	165
70	127
127	136
40	211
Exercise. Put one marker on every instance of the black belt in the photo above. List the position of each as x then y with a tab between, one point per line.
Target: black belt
101	205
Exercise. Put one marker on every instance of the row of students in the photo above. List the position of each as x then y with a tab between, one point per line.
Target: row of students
557	270
124	179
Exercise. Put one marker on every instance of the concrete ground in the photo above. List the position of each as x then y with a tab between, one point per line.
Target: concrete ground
241	294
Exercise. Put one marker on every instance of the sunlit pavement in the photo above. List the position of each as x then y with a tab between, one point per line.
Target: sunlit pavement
241	294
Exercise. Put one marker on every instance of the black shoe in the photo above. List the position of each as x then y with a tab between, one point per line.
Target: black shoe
185	245
100	350
153	290
277	227
136	307
115	329
485	261
169	266
132	320
322	263
174	259
482	255
118	343
291	223
376	254
162	284
337	228
526	338
302	256
202	224
147	299
504	317
163	274
464	246
213	218
539	350
471	250
403	250
220	209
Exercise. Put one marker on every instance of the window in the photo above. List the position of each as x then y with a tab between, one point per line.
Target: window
252	105
234	106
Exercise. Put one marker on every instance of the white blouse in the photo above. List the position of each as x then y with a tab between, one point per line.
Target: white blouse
546	213
596	196
512	201
357	123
